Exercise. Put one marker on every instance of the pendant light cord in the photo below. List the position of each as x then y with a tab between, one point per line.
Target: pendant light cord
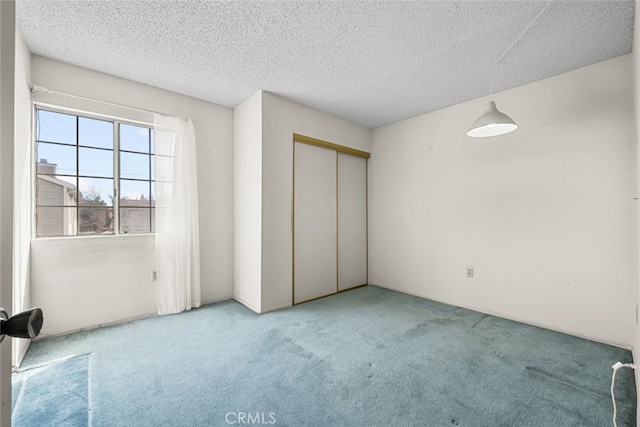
510	46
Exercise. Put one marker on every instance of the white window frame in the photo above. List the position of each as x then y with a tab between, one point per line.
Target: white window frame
116	122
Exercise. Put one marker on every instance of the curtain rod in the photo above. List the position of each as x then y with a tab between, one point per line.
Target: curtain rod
36	88
91	114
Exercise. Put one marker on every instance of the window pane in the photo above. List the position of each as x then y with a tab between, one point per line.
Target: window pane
95	220
55	127
134	166
135	220
75	176
54	159
95	162
96	192
57	221
134	138
95	133
134	193
153	220
51	191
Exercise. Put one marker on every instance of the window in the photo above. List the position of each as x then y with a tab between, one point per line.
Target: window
81	164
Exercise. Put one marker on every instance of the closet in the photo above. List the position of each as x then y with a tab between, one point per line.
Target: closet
329	218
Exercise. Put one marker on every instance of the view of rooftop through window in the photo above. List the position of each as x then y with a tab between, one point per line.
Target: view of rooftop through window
81	164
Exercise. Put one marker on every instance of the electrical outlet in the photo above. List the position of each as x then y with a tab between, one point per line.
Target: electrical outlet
154	276
469	271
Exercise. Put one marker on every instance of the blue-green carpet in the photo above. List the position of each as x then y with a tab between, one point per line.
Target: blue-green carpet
367	357
56	394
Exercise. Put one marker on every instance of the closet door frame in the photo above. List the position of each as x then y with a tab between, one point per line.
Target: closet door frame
297	138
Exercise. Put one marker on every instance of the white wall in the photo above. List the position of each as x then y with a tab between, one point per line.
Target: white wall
248	202
214	133
22	190
543	214
86	282
282	118
636	287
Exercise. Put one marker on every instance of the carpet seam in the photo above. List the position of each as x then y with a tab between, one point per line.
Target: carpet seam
52	362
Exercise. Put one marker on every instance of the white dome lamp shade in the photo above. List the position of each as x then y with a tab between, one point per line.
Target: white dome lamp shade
492	123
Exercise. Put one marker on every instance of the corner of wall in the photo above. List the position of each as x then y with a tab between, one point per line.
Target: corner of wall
247	280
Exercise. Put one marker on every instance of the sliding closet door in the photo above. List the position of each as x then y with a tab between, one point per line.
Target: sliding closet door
314	218
352	221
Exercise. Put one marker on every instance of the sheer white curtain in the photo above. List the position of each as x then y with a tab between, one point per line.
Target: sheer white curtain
176	217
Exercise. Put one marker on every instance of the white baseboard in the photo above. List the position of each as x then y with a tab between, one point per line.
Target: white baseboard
247	304
276	308
625	346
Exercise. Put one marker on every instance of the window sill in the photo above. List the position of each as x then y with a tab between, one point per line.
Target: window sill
96	236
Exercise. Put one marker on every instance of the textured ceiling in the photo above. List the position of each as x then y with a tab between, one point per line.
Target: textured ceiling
370	62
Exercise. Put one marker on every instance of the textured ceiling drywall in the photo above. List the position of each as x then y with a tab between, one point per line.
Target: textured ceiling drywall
370	62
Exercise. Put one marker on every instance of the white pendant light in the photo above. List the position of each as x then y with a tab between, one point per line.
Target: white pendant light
492	123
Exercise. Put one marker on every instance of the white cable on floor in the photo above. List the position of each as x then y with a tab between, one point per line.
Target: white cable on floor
615	367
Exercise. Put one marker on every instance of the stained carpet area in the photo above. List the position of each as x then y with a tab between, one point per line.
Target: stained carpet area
55	394
367	357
